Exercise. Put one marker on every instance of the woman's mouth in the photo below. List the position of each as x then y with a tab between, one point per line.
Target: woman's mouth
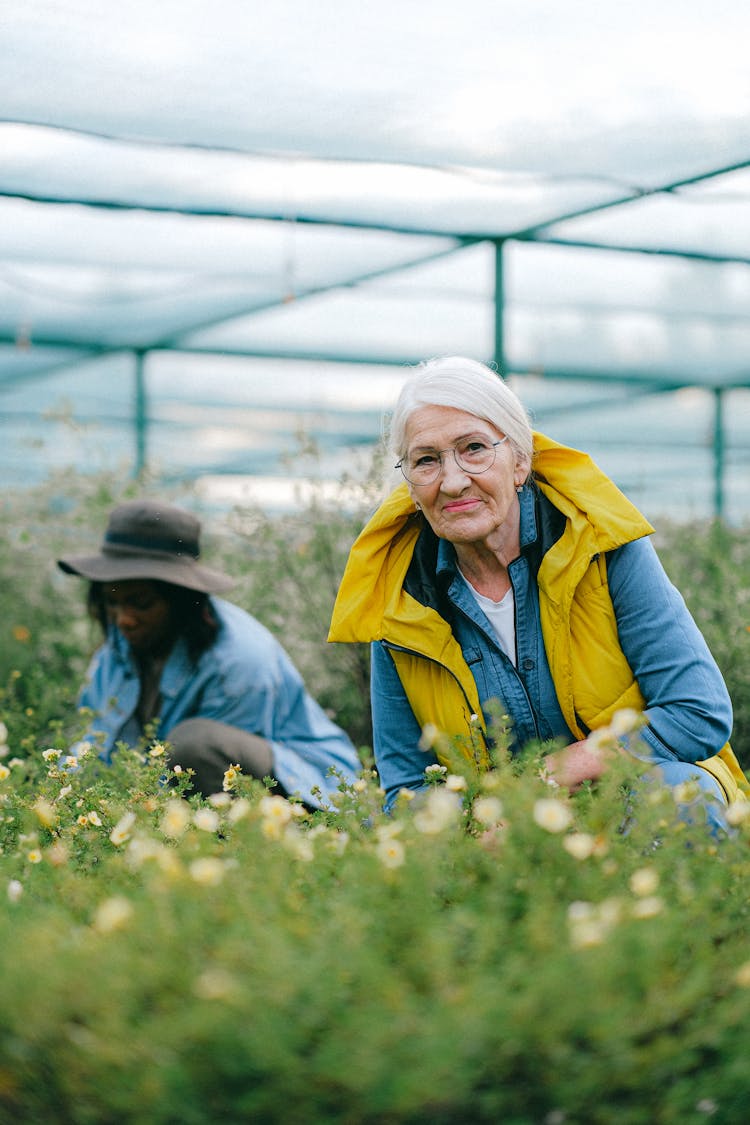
461	505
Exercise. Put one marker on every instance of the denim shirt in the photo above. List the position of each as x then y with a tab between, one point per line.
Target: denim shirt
687	704
245	679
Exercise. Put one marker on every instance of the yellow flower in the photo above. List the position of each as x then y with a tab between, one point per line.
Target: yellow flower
121	831
231	777
157	750
21	633
112	914
552	814
391	853
4	772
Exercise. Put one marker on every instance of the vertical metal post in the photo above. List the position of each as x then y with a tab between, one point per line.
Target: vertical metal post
499	356
140	413
718	452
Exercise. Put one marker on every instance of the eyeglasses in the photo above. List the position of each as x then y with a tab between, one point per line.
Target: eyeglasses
472	454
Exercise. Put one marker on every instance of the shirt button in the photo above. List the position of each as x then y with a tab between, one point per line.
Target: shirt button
528	664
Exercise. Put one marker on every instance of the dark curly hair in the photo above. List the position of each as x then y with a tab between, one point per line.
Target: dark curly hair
190	610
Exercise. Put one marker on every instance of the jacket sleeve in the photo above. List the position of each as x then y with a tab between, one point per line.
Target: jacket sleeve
687	704
396	733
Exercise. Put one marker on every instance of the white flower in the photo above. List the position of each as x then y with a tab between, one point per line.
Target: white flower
275	809
214	984
112	914
430	735
580	845
71	762
206	820
208	871
455	783
238	809
94	818
51	755
158	750
220	800
488	811
737	811
440	810
552	814
626	721
391	852
644	881
15	890
3	732
82	749
121	831
647	907
176	818
436	770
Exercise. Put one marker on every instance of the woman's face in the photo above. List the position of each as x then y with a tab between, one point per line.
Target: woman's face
462	507
142	614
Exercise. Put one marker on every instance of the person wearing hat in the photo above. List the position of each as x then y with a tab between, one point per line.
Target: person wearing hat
220	687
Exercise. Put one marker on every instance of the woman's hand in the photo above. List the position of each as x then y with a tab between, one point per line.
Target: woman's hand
574	764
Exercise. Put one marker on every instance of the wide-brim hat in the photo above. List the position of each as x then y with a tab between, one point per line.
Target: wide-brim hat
149	540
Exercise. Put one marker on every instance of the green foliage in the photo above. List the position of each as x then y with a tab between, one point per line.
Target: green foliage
710	565
494	951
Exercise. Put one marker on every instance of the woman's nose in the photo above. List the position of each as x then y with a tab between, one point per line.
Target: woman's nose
453	476
124	617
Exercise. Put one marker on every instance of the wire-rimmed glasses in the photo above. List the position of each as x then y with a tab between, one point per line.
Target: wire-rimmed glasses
474	454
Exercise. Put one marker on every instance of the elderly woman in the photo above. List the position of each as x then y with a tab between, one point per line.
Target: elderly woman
509	570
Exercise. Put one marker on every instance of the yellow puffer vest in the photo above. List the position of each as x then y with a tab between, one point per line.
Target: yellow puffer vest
592	678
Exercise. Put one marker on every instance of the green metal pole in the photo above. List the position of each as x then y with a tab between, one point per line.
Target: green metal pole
499	356
140	414
718	452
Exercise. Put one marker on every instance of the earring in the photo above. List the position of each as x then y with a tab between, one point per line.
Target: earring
519	488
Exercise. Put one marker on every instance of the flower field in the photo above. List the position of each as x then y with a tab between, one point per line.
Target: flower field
494	951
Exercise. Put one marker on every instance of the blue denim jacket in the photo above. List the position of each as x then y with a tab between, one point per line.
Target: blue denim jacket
687	704
245	679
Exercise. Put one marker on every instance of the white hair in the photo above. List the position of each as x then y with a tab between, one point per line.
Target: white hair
464	384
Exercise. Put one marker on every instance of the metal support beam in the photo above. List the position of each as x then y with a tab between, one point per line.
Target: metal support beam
719	452
140	413
499	343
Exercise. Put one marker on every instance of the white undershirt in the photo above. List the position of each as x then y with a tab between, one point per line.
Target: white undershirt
501	616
